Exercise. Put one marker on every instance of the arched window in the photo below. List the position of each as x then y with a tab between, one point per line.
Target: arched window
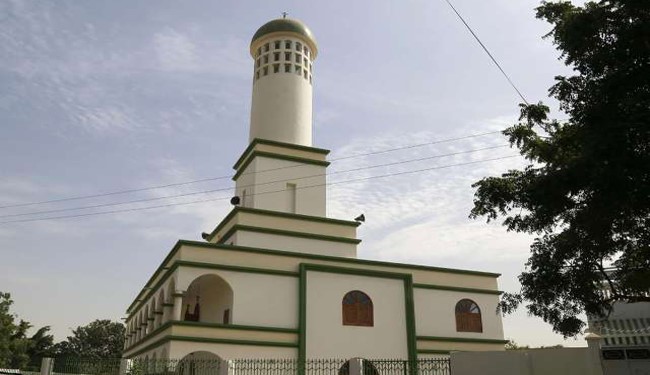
468	316
357	309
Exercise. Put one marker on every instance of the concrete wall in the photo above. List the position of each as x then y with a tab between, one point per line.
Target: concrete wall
564	361
327	337
435	313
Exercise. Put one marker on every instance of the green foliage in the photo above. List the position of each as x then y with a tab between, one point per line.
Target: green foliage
98	339
586	191
17	350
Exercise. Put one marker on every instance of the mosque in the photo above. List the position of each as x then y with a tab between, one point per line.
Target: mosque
277	278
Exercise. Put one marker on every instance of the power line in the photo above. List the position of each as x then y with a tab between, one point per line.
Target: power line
246	186
488	52
262	193
127	191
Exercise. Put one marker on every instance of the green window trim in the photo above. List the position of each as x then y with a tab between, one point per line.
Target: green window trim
408	302
288	233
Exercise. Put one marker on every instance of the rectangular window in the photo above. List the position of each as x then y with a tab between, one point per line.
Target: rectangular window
298	70
304	61
298	58
276	68
310	79
259	62
298	46
257	75
287	68
304	73
259	52
287	56
305	51
276	56
291	198
266	70
277	44
226	316
266	47
287	44
266	59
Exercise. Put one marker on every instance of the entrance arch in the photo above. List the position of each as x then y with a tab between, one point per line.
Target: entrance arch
199	363
208	299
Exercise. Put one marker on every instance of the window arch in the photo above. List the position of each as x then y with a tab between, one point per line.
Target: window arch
357	309
468	316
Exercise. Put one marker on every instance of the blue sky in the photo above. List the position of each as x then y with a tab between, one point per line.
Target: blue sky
103	96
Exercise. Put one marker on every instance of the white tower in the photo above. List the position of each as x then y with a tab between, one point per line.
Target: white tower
284	51
280	170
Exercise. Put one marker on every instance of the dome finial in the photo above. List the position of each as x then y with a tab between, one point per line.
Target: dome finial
284	14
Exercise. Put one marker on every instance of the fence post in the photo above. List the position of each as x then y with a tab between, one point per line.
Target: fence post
46	366
356	366
593	343
124	365
224	367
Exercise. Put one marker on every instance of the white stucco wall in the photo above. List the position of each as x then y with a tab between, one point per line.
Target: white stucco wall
179	349
435	313
258	299
327	337
270	190
297	244
281	108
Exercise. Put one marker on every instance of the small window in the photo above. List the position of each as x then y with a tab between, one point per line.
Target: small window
298	46
266	70
276	68
357	309
226	316
287	44
298	58
266	47
298	70
305	51
259	52
310	67
468	316
257	75
276	56
287	68
310	79
266	59
287	56
259	62
304	61
304	73
277	44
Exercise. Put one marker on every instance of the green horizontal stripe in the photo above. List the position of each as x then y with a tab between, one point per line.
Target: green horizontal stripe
279	144
234	342
272	155
185	263
288	233
431	351
456	289
236	326
287	215
461	339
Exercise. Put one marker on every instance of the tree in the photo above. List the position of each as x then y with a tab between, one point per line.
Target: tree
586	191
98	339
16	349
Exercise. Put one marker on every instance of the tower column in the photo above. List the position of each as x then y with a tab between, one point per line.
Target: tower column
178	306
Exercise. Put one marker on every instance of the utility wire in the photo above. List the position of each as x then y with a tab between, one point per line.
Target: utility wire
126	191
487	51
267	192
247	186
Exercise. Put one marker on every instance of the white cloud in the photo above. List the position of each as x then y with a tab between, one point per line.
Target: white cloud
175	51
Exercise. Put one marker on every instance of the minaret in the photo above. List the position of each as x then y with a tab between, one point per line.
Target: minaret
280	177
280	170
283	51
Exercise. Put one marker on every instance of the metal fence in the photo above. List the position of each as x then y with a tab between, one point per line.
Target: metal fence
404	367
117	366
